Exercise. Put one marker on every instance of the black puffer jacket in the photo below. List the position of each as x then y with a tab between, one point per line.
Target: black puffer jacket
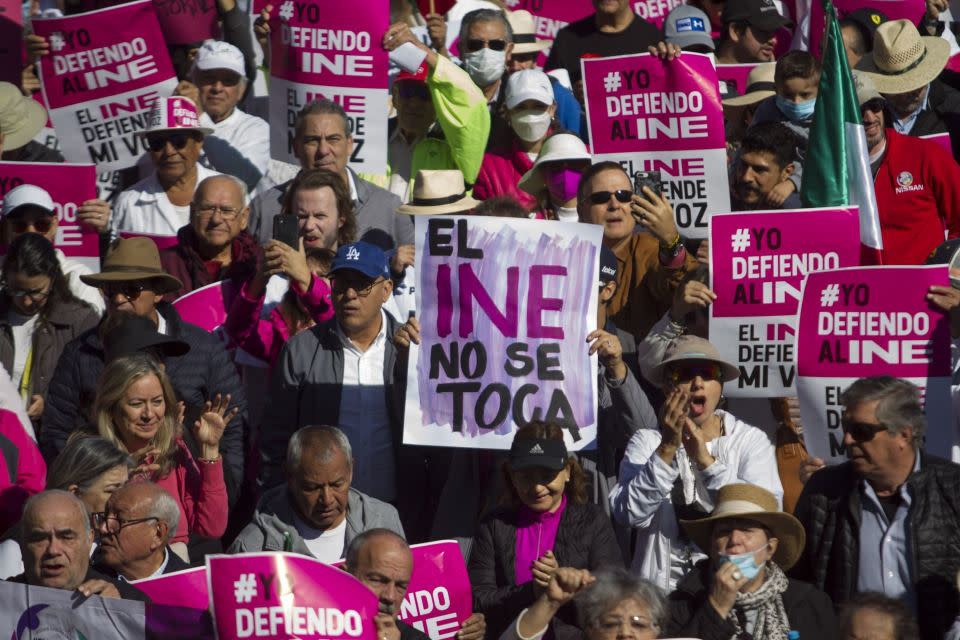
197	376
830	510
585	540
691	614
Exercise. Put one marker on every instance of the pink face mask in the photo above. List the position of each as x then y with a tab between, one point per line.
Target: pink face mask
562	184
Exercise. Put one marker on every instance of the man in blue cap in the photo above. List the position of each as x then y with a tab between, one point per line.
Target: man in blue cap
341	373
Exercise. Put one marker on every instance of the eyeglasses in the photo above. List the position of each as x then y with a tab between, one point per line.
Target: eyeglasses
40	225
409	89
603	197
178	140
875	105
707	371
129	290
226	78
475	44
639	624
114	524
340	286
37	295
207	211
861	431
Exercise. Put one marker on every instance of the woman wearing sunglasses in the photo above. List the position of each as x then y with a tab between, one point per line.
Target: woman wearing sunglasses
675	472
530	110
38	317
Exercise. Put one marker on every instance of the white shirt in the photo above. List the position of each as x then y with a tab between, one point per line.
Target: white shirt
73	270
22	328
364	417
642	497
155	574
145	207
325	546
239	146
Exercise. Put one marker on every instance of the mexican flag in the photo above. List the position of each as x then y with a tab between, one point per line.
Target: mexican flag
836	171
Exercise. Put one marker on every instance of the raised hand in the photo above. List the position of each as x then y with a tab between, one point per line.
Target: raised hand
208	430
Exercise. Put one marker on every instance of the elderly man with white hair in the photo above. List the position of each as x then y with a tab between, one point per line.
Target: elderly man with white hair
135	529
214	245
316	512
240	142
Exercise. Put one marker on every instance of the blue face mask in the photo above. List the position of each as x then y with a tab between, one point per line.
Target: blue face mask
796	111
745	562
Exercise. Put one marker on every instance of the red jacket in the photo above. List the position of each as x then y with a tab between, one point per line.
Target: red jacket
22	470
182	261
918	198
500	172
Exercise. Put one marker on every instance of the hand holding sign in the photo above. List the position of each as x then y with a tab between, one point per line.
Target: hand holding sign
948	299
474	628
95	214
608	348
691	296
408	334
386	624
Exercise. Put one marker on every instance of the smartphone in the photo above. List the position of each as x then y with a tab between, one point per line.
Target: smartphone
286	229
649	179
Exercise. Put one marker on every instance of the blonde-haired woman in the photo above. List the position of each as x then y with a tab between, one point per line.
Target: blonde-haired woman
137	410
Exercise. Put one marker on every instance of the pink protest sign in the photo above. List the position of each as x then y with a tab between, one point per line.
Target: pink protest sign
654	11
735	76
186	588
871	321
438	599
204	307
911	10
504	312
651	115
287	595
104	71
69	185
188	21
757	264
331	49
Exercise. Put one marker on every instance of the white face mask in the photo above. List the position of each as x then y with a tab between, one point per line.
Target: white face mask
485	66
530	125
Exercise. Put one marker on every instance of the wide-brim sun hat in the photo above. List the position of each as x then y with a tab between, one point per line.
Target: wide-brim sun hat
133	259
750	502
558	147
525	33
689	348
21	118
760	86
902	60
439	192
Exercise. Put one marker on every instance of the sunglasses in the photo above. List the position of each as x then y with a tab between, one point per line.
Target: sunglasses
178	140
603	197
362	288
129	290
875	105
706	371
40	225
413	90
475	44
861	431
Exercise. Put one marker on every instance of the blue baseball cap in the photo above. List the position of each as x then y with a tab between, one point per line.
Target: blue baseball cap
368	259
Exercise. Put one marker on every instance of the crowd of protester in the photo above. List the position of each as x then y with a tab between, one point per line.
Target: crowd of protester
135	443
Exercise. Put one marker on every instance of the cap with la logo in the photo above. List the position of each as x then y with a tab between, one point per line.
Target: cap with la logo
368	259
539	452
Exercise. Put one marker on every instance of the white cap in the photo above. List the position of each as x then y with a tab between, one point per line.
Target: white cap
27	194
216	54
529	84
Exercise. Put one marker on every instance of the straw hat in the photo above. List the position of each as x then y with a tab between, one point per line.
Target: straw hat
759	87
438	192
561	146
902	60
692	348
750	502
525	33
133	259
21	118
